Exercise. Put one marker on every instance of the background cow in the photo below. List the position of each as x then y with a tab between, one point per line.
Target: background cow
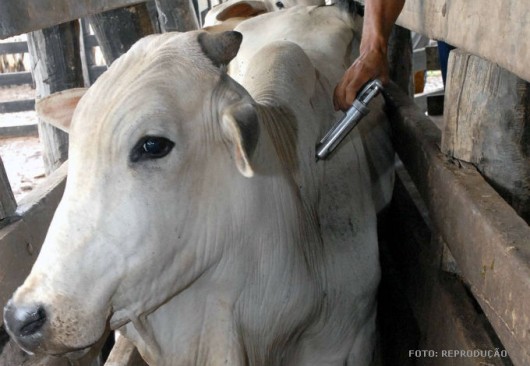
195	218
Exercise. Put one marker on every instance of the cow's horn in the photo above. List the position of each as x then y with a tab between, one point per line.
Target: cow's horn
221	48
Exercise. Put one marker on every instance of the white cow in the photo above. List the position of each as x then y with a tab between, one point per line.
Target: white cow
195	218
227	15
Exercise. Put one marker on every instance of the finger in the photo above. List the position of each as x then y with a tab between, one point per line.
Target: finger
338	96
351	90
335	103
343	93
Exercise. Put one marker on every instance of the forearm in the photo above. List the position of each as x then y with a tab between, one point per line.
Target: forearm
380	16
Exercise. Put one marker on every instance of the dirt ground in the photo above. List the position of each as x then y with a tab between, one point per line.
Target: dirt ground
22	156
16	93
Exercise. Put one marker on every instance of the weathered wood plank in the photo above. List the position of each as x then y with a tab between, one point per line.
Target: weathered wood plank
85	51
17	106
13	47
432	58
455	325
443	313
124	353
176	15
24	130
489	241
487	123
117	30
56	66
400	58
497	31
8	204
23	16
16	78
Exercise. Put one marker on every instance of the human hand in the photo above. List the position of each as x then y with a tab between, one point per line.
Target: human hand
371	64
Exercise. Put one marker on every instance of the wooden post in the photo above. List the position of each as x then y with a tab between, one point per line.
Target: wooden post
87	59
487	123
56	66
487	238
153	14
421	307
8	204
176	15
400	58
117	30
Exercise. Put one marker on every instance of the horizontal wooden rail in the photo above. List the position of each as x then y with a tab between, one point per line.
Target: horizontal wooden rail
494	30
13	47
23	16
439	314
17	106
16	78
490	242
22	46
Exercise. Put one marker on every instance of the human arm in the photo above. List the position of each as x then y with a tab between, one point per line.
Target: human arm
380	16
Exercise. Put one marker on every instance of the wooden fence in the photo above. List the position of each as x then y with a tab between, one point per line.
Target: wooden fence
455	250
474	233
9	79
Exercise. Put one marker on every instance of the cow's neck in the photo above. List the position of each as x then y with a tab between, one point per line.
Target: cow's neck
265	252
261	237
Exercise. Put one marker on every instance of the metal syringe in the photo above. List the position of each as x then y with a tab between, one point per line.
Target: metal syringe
357	111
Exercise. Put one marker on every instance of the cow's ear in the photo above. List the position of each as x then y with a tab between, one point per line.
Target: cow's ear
240	126
57	109
221	48
242	9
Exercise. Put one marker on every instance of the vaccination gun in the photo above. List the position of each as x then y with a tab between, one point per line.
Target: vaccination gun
341	128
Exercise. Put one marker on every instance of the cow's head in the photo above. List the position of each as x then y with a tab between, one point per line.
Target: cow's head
152	144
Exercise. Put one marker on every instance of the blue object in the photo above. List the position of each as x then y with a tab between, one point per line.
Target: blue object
443	55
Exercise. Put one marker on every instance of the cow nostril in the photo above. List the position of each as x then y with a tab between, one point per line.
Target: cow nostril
24	321
34	322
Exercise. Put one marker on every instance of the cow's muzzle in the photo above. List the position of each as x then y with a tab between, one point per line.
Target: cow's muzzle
25	324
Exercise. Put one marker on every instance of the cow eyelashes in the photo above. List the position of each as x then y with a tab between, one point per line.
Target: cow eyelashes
151	147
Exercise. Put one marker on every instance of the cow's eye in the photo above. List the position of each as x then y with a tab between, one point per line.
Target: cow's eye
151	147
280	5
